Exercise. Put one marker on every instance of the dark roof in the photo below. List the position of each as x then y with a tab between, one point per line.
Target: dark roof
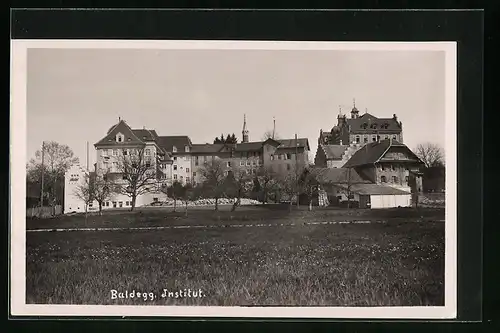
207	148
336	176
290	143
145	134
249	146
168	142
372	152
334	152
120	127
374	189
364	122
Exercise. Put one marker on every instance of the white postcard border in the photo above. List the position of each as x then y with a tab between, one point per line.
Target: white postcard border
18	138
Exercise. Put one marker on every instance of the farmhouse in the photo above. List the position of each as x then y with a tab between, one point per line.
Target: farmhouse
378	175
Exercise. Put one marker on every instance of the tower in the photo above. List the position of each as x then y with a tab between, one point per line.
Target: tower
354	111
244	132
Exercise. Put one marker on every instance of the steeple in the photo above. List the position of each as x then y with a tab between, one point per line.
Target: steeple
354	111
244	132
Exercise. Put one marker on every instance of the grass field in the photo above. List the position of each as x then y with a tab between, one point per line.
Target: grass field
399	261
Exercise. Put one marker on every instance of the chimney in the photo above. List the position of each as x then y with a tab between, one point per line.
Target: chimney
395	117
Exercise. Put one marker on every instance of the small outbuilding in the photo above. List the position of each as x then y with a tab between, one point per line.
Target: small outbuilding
379	196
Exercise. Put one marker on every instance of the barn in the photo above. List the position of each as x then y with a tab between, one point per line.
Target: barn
378	196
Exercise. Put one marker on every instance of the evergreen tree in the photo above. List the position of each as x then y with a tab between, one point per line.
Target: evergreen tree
217	140
222	138
228	138
234	139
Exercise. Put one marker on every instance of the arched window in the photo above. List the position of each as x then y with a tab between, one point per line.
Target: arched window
383	179
395	179
358	139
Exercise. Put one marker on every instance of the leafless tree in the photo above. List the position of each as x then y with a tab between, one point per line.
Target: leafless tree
58	158
268	181
85	191
239	184
103	188
308	185
431	154
213	174
174	191
288	183
139	173
269	135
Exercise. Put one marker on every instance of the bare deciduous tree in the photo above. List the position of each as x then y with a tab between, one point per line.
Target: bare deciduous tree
269	135
139	173
103	188
268	181
239	184
58	158
85	191
174	191
289	186
431	154
213	174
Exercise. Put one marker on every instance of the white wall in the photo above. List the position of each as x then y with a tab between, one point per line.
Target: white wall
73	178
390	201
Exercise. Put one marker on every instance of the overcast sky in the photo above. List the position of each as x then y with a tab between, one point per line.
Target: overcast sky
76	95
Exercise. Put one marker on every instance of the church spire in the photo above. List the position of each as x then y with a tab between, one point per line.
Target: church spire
244	132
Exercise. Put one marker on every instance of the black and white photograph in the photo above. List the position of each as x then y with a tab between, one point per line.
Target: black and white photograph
234	178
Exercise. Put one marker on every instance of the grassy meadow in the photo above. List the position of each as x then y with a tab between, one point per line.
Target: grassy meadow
398	261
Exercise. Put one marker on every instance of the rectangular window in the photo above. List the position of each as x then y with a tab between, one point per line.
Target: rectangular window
107	203
175	158
228	164
147	152
248	163
407	179
124	177
186	149
187	169
394	179
175	167
90	205
120	204
187	179
148	165
374	139
254	162
104	152
272	157
175	177
114	204
125	152
174	149
186	158
115	152
242	163
288	167
279	157
382	167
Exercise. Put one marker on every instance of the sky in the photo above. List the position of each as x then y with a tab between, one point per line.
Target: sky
76	95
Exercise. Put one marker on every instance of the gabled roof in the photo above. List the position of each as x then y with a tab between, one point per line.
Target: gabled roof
145	134
365	121
373	152
336	176
334	152
249	146
374	189
179	141
290	143
207	148
120	127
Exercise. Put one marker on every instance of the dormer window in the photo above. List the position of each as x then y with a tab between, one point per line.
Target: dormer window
364	125
186	149
373	126
119	137
174	149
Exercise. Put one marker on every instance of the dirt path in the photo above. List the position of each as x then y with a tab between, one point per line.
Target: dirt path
205	226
